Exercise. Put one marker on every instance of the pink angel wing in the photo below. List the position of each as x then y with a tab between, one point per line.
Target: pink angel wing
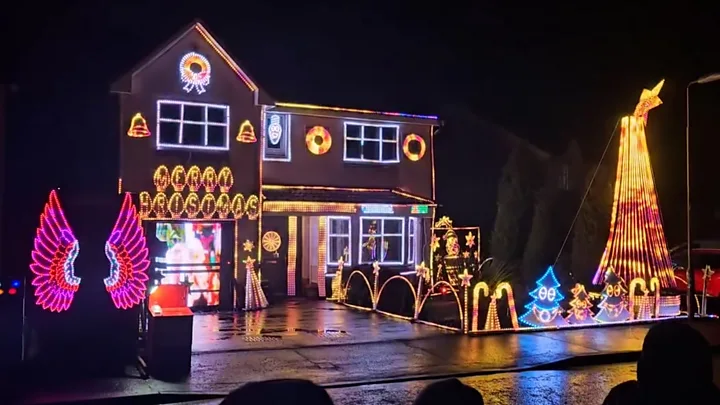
127	251
53	258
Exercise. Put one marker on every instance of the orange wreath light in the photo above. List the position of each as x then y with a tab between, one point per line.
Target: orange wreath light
414	156
318	140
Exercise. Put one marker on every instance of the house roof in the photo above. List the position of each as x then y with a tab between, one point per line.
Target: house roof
341	195
272	98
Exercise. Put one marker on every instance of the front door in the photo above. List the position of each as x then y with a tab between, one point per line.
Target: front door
274	245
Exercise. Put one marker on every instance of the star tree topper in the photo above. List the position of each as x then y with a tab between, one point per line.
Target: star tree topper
649	99
249	262
421	270
466	277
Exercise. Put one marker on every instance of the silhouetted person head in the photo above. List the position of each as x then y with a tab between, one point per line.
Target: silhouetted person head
286	392
625	393
449	392
675	365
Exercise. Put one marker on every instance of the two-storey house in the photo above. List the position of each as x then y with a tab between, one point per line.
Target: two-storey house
227	177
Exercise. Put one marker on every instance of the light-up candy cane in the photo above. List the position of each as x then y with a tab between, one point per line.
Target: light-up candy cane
655	288
476	302
465	283
421	272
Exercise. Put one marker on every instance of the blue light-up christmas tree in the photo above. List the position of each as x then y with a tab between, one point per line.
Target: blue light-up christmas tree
545	309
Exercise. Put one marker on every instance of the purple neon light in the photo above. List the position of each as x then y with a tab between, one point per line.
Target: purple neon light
127	251
53	257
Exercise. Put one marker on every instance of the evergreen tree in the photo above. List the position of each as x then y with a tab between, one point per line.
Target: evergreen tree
555	206
592	226
514	205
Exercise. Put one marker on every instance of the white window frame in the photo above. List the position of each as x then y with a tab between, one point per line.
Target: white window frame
334	260
181	121
380	141
286	138
412	239
381	236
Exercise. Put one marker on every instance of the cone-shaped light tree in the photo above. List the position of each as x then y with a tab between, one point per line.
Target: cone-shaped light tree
636	245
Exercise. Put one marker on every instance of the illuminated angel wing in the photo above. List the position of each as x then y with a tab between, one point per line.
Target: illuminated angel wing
126	249
53	256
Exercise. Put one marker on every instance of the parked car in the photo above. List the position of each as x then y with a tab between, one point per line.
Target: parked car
702	256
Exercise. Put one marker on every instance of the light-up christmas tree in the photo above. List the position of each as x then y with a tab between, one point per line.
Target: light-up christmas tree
613	307
636	246
545	309
580	313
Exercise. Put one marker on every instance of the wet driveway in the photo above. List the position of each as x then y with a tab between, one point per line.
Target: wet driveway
301	323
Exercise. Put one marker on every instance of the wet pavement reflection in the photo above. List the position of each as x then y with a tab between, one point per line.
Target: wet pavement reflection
297	324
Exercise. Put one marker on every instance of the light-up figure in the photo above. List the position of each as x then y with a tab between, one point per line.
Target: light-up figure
545	309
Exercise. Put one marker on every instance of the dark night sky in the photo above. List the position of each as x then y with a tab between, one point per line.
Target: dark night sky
547	73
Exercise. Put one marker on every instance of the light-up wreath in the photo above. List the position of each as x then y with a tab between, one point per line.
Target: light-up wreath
420	149
318	140
271	241
194	72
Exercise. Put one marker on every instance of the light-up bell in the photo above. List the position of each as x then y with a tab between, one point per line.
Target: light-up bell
246	134
138	127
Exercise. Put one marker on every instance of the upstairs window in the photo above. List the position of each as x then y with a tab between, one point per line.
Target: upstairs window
371	143
186	125
276	140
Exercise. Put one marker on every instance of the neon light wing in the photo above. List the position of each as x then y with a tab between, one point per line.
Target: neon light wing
54	252
127	251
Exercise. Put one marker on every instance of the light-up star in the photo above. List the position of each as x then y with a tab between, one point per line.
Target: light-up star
444	222
465	278
707	273
248	246
470	240
376	267
421	270
434	243
648	100
466	254
341	264
249	262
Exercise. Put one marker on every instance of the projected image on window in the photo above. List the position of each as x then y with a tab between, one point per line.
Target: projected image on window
192	256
